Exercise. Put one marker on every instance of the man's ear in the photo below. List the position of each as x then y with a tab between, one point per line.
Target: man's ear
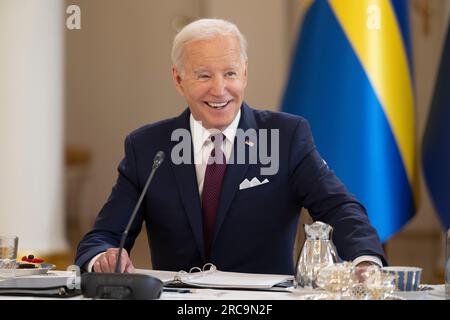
177	80
245	73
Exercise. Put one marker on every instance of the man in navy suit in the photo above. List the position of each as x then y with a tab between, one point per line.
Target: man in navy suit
210	201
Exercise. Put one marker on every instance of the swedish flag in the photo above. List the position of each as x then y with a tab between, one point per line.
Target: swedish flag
351	78
436	146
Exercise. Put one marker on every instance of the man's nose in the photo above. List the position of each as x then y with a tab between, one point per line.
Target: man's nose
218	86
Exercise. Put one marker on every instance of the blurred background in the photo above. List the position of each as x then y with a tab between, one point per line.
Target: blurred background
77	76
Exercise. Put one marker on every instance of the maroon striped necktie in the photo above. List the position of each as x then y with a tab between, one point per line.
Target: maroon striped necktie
212	186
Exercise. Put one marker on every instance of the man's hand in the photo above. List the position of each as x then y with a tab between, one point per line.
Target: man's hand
106	262
361	268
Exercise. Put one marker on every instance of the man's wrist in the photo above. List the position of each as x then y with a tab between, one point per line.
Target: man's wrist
368	259
90	265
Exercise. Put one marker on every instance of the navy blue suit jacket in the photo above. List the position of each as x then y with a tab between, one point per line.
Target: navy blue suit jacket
255	228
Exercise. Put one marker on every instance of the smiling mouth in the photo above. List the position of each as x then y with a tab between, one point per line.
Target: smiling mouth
217	105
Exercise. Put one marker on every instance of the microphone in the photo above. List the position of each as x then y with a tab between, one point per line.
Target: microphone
117	285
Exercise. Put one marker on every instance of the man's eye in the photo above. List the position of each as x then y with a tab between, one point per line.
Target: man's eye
203	76
231	74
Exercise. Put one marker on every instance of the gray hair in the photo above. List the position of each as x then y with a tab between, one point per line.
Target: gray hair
204	29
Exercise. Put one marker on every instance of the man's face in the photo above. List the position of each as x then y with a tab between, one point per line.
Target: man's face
213	80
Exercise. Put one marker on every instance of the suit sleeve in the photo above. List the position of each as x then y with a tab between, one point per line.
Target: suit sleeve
319	190
115	214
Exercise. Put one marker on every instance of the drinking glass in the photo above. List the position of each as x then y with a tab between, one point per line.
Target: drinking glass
8	251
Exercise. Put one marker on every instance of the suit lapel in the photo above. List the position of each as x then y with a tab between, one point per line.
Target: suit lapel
234	174
188	188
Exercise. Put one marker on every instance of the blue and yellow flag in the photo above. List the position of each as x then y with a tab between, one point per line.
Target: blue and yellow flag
436	145
351	78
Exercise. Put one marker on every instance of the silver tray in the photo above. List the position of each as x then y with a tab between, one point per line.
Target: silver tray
44	268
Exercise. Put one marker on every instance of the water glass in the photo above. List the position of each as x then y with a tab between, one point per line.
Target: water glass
8	251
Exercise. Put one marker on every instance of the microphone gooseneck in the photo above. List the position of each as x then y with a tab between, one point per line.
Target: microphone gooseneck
157	160
117	285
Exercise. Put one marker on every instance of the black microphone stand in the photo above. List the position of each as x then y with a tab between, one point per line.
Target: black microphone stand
117	285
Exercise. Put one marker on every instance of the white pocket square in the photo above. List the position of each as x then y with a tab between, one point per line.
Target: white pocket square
252	183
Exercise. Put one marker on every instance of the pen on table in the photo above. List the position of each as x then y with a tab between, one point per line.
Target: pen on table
178	290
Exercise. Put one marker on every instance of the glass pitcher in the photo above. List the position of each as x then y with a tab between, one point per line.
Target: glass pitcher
318	251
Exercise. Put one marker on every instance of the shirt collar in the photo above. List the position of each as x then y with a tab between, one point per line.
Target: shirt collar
200	135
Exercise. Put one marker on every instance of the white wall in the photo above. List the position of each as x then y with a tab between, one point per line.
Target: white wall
265	24
31	124
428	38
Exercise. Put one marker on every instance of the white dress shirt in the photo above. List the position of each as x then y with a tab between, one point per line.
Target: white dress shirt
201	141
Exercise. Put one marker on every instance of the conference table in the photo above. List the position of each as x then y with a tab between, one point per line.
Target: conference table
426	292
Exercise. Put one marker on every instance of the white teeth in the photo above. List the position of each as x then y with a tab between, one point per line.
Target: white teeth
217	105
